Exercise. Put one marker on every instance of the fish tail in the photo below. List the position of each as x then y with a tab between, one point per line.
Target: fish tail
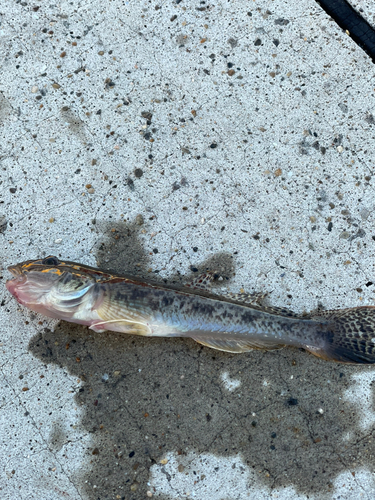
347	335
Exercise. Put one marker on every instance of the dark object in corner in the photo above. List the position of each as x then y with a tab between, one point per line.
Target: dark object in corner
350	20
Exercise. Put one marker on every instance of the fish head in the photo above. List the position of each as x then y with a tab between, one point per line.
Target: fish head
50	286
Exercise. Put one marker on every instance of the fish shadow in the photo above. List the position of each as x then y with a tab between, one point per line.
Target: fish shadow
143	397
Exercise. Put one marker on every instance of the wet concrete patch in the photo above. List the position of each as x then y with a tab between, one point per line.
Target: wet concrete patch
290	419
145	397
121	250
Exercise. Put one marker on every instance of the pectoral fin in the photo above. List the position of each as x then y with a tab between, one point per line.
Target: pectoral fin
122	326
236	346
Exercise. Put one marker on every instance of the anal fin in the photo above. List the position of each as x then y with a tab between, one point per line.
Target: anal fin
236	345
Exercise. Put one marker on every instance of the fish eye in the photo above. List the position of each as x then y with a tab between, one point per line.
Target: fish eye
51	261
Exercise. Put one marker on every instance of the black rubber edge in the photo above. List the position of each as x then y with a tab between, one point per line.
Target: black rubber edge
362	33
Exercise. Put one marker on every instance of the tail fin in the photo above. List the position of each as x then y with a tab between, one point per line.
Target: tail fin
350	337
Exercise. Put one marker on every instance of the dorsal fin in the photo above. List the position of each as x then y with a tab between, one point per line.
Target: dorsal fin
249	299
254	300
281	311
203	281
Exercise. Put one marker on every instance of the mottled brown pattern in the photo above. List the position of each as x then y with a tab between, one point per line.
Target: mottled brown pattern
353	334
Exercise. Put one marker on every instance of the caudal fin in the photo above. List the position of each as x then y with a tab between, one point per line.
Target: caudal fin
350	335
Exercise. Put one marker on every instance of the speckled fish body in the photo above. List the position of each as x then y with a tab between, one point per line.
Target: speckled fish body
234	323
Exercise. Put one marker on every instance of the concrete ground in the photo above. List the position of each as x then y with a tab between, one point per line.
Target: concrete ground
162	138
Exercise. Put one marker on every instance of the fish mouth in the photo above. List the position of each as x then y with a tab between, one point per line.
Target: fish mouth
18	276
15	270
16	284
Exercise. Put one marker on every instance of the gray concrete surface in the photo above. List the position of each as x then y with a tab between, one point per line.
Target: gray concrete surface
162	138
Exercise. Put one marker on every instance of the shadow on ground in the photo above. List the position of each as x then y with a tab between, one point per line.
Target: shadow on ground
145	397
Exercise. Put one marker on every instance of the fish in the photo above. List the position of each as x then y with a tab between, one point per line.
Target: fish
231	322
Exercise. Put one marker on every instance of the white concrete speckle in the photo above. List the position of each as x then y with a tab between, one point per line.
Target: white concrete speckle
207	476
229	383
